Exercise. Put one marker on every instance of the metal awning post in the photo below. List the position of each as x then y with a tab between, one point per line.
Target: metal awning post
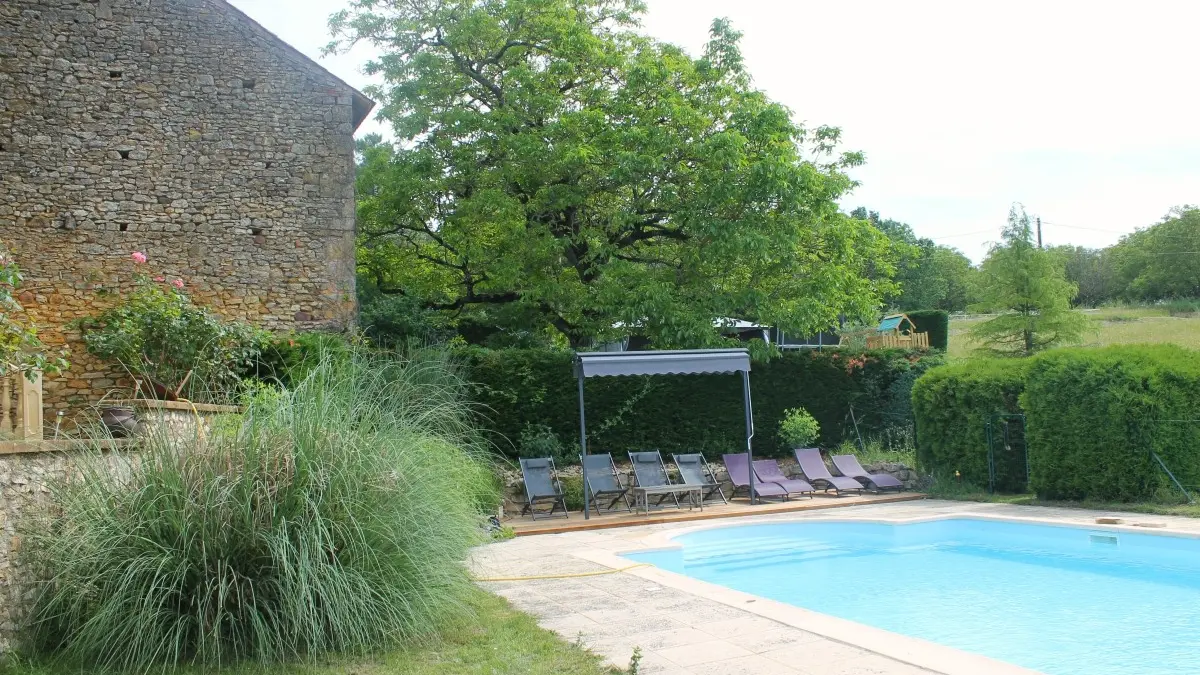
749	430
583	448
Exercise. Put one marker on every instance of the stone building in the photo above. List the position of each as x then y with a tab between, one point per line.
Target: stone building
184	130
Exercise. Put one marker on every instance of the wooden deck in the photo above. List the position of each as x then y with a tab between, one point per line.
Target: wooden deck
524	526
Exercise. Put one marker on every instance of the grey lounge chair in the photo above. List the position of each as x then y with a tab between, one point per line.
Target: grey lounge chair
849	466
649	470
818	474
542	487
738	467
601	475
768	470
694	470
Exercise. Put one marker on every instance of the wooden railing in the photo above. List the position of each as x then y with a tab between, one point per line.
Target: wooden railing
20	407
912	341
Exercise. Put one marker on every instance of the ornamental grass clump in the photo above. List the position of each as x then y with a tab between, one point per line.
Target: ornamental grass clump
333	517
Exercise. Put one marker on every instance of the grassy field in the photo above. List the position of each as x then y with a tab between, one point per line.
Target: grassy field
498	640
1110	326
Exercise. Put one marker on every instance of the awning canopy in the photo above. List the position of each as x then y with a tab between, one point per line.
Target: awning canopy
666	362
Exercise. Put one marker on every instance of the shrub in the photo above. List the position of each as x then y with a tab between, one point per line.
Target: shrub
798	429
20	348
288	359
539	440
1096	415
691	413
936	322
332	517
160	337
952	405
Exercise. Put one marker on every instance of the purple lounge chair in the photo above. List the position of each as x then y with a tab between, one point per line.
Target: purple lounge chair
849	466
818	474
739	474
767	470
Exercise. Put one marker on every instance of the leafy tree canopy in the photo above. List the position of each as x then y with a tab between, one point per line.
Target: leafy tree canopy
556	167
929	276
1162	261
1029	288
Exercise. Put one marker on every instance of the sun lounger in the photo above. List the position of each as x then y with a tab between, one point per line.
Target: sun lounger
649	471
818	474
601	475
694	470
738	467
542	487
849	466
768	470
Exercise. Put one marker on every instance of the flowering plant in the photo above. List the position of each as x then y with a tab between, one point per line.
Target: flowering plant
173	347
20	348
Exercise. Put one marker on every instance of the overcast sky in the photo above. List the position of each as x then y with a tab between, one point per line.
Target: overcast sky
1086	111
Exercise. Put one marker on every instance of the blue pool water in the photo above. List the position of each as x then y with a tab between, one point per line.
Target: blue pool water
1061	600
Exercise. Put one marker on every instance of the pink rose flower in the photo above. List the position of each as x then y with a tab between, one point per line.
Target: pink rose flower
178	283
138	257
159	279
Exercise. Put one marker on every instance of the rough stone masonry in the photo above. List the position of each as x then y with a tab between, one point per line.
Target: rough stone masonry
182	129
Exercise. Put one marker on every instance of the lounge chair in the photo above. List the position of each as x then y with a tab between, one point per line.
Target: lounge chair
694	470
768	470
649	470
542	487
601	475
818	474
738	467
848	465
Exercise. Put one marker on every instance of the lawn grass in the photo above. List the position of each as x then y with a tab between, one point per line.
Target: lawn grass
1110	326
966	493
497	640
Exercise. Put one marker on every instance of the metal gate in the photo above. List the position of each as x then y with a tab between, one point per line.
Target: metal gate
1008	456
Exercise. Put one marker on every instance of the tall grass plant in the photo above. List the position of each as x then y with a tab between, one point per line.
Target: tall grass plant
333	517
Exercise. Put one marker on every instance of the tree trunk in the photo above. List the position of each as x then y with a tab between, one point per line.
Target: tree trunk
1028	342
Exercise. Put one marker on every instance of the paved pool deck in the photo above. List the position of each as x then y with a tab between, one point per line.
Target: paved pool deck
685	626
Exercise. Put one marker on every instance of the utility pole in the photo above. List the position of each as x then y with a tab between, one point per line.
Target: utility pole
1039	224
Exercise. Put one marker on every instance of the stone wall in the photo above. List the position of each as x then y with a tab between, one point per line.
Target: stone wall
24	481
184	130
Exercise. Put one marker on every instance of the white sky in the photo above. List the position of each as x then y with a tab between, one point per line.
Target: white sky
1086	111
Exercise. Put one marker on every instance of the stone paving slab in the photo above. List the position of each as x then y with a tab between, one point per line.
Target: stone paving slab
682	633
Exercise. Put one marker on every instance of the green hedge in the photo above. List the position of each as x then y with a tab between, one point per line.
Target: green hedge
936	322
952	405
516	388
1095	416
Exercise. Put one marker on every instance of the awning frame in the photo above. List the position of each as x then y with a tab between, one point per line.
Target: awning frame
664	362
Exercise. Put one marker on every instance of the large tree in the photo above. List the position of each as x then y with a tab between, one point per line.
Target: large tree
1162	261
1028	287
1091	270
554	167
929	276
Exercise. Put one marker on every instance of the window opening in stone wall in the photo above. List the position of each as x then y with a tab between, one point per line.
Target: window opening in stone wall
124	227
256	231
248	83
124	154
115	74
270	164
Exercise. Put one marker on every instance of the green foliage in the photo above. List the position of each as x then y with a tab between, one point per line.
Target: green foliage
798	429
927	275
158	334
1096	415
286	360
691	413
953	403
329	518
20	348
1028	287
936	322
557	171
398	320
1092	271
539	440
1162	261
1183	306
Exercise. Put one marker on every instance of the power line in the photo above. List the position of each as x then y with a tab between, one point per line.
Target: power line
963	234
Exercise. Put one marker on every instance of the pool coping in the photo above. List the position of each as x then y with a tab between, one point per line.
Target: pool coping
913	651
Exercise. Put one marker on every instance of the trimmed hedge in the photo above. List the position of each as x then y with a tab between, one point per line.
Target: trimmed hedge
688	413
1096	415
936	322
952	405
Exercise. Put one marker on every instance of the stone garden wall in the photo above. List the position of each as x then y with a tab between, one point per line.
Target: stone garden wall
184	130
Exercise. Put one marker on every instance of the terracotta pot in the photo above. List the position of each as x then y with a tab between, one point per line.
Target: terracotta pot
120	421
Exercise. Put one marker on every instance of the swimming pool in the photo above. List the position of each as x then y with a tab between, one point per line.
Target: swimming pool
1061	600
